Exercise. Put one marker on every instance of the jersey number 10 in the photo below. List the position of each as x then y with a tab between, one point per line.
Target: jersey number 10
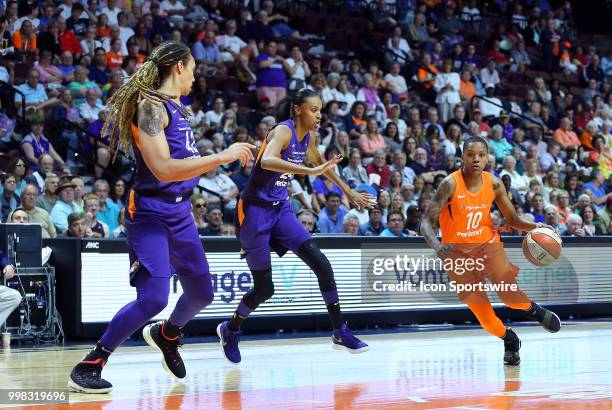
473	219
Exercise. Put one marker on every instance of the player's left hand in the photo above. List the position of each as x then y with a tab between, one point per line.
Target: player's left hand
543	225
8	271
362	200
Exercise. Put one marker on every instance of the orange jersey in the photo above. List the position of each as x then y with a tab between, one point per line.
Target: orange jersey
466	218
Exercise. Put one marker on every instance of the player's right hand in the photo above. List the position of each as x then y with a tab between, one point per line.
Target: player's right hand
326	166
241	151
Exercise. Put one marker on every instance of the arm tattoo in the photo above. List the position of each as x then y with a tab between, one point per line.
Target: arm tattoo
151	118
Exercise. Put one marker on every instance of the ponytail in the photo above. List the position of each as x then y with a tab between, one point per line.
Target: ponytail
143	83
284	109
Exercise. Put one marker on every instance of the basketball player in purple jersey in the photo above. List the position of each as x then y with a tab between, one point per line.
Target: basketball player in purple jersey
265	220
162	235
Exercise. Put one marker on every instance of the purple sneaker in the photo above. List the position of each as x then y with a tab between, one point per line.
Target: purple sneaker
229	342
343	339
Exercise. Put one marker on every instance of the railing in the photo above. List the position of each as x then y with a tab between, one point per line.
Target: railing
511	113
16	90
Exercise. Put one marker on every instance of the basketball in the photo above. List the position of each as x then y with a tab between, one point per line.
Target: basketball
542	246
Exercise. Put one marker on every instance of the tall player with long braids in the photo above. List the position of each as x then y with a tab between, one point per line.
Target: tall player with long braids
462	209
265	220
147	115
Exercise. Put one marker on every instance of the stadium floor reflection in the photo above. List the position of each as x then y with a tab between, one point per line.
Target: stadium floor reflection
422	370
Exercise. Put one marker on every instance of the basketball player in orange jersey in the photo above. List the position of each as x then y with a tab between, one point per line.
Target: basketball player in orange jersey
462	207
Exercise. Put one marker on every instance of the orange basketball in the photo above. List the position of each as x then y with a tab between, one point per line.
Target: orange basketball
542	246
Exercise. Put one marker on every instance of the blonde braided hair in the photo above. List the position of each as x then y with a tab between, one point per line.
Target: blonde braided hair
143	84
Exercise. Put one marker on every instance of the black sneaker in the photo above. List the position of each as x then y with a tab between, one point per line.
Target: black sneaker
86	376
548	319
172	361
512	345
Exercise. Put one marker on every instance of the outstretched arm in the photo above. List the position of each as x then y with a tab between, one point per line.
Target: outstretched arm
152	119
279	139
508	211
429	224
358	199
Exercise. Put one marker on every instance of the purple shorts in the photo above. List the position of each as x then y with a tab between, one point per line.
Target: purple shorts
264	227
163	239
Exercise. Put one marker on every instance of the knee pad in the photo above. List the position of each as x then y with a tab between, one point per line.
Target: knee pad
310	253
262	290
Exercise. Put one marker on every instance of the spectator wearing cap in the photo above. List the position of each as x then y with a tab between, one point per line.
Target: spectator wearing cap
332	216
447	84
395	226
109	211
491	106
271	76
214	219
8	199
65	205
350	224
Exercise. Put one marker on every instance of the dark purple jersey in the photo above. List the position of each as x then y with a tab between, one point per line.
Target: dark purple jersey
181	142
271	186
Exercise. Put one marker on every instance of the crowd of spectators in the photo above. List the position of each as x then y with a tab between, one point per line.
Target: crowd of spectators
403	83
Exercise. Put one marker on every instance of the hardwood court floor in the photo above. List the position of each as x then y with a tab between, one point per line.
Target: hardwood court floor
456	369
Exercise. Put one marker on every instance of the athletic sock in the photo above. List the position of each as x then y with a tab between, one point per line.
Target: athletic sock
170	331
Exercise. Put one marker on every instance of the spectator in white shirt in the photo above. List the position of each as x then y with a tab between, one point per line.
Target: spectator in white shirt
90	110
91	42
345	98
230	44
298	70
330	93
175	11
111	12
489	74
125	32
447	85
214	116
396	82
493	105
